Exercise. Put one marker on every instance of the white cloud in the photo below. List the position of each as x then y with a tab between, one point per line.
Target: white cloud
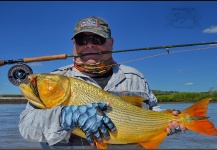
212	29
189	84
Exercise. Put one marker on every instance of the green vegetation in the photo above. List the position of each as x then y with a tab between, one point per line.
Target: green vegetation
167	96
174	96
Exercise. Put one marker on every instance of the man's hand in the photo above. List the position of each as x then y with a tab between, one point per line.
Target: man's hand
90	118
174	127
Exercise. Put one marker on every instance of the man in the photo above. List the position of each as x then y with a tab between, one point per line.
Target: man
53	127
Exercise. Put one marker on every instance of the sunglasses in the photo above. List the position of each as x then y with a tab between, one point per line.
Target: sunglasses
83	39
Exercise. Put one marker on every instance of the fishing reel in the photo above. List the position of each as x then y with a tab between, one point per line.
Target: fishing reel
19	74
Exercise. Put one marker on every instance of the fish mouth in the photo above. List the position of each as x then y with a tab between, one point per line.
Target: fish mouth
30	91
46	90
33	86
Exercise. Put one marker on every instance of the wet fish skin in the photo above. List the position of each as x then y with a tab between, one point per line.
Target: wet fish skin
134	124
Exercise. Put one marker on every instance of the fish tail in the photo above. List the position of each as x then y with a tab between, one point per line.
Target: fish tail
195	118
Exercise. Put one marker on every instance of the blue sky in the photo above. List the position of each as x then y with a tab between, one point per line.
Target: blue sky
32	29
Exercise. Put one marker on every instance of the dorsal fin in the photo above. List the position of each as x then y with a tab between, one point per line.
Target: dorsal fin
134	100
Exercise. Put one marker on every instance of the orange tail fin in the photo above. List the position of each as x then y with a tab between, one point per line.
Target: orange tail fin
196	120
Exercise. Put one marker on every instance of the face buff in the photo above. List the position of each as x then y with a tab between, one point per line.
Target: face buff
95	69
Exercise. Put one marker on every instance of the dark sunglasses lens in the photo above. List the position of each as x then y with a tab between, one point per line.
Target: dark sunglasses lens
98	40
83	40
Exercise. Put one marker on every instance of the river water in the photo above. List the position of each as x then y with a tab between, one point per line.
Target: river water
10	137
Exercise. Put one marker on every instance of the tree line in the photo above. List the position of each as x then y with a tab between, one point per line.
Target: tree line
167	96
175	96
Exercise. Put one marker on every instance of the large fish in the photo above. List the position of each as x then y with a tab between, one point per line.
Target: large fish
134	124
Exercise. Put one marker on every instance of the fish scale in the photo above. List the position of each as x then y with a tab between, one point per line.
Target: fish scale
136	118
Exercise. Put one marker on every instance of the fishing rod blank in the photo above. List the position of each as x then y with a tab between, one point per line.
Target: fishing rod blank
19	73
64	56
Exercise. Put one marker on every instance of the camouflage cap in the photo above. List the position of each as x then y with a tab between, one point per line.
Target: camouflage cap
93	24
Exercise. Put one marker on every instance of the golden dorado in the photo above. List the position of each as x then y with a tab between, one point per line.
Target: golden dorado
133	123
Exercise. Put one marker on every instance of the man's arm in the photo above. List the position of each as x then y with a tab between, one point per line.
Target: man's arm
42	125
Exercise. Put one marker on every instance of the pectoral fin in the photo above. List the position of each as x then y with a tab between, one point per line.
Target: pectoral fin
155	141
134	100
100	145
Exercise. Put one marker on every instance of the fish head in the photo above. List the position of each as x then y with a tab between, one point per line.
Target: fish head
46	90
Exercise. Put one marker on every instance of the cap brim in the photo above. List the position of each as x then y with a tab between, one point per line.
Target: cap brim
92	31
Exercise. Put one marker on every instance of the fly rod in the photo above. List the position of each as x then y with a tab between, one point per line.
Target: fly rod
64	56
18	73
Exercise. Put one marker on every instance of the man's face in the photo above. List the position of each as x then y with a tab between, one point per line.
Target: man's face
92	47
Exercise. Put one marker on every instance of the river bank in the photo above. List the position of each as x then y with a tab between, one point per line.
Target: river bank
13	100
22	100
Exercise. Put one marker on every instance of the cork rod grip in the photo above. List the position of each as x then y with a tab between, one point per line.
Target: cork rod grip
45	58
2	63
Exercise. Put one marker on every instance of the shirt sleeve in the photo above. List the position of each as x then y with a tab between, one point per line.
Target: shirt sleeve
141	84
152	102
42	125
62	70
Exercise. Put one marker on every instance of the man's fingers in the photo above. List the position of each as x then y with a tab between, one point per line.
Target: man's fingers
103	105
183	128
173	124
177	129
109	123
97	136
174	127
90	138
104	132
176	112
